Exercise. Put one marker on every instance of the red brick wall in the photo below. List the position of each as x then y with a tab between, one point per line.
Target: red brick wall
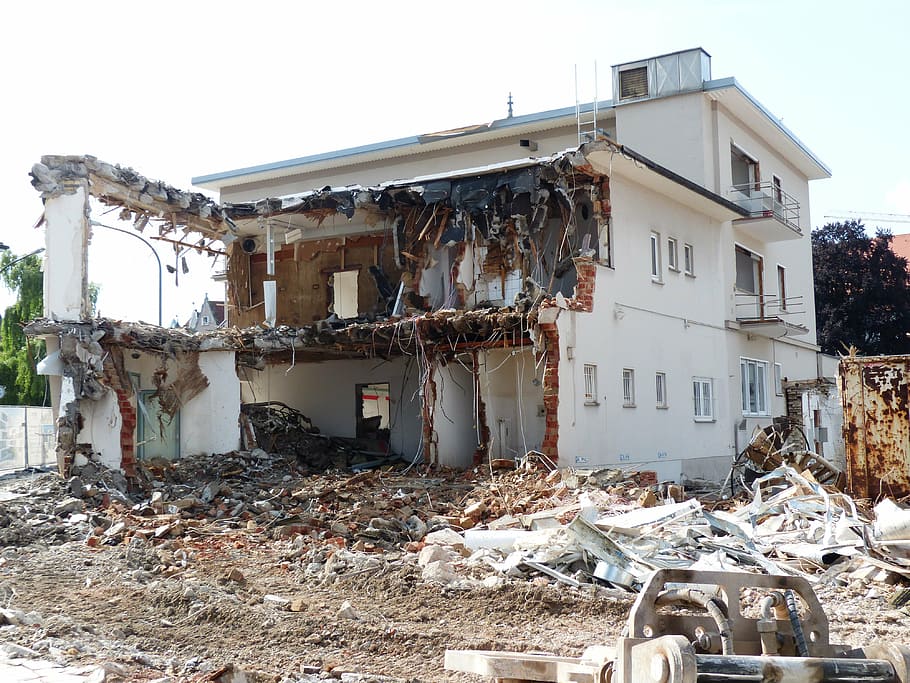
550	444
127	417
584	290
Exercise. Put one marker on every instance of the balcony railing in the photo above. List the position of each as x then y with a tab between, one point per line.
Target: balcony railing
766	200
770	315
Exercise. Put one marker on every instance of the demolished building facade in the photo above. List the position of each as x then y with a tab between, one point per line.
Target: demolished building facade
633	297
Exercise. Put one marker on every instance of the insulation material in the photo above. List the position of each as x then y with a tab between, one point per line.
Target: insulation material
344	294
178	380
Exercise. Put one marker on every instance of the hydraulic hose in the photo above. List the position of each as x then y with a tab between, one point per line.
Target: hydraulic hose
801	649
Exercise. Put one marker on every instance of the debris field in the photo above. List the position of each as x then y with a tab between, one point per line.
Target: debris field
251	566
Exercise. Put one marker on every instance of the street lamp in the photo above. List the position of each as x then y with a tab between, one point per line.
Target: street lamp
149	245
21	258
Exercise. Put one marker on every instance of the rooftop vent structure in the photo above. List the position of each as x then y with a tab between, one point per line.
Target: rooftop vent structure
661	76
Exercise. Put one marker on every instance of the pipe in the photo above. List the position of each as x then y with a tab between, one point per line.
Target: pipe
716	668
715	607
801	649
767	624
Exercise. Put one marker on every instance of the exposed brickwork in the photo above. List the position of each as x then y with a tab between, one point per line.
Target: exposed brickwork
583	300
128	417
550	445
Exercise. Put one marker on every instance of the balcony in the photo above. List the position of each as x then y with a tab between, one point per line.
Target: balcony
769	316
773	214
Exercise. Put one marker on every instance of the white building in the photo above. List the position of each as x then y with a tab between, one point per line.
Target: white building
634	301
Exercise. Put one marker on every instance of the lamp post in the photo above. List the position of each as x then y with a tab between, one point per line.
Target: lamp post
149	245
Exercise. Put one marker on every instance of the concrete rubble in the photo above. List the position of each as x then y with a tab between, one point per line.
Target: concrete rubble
478	530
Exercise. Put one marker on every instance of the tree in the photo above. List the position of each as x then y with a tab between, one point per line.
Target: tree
22	384
861	291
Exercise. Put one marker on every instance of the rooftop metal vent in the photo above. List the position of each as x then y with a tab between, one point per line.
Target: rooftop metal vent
661	76
633	83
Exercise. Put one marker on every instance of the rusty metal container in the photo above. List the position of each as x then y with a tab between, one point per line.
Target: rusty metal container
874	393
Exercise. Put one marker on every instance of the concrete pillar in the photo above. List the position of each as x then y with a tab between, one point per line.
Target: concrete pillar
66	253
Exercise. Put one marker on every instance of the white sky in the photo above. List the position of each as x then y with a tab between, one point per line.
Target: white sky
181	89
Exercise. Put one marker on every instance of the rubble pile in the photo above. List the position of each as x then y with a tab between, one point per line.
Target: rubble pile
278	428
531	522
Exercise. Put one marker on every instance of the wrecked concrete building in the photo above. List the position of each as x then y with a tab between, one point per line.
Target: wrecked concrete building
632	295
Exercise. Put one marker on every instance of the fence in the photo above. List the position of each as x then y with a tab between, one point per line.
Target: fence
26	437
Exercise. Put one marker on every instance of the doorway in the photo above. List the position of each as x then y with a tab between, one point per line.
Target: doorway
159	434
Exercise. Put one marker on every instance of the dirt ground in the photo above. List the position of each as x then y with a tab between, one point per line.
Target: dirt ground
184	610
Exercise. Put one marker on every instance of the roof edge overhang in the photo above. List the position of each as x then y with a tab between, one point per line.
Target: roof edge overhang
416	144
611	158
741	102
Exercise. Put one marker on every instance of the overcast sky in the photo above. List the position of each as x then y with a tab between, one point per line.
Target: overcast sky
181	89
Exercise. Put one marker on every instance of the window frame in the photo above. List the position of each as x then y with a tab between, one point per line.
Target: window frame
628	387
606	243
782	287
673	254
762	403
656	264
660	390
589	375
689	260
698	399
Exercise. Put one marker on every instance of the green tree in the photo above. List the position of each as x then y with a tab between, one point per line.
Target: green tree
23	386
861	291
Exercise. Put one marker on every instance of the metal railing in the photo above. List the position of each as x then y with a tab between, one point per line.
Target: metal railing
766	199
767	307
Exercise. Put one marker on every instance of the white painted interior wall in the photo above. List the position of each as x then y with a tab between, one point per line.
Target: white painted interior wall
514	401
454	419
326	393
209	422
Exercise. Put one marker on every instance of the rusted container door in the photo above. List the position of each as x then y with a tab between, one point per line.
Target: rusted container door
876	425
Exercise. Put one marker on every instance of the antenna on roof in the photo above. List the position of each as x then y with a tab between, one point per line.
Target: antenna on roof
510	105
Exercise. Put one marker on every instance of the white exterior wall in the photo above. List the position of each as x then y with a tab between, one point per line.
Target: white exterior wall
66	237
326	393
669	130
676	327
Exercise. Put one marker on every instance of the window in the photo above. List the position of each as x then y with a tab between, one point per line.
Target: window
672	254
655	257
782	287
590	385
628	388
754	376
205	320
744	171
748	271
606	243
660	389
633	83
689	259
778	192
703	399
778	380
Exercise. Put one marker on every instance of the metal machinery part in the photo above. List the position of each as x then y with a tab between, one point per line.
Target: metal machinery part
691	627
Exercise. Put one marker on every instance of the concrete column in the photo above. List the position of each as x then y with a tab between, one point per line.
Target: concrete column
66	253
